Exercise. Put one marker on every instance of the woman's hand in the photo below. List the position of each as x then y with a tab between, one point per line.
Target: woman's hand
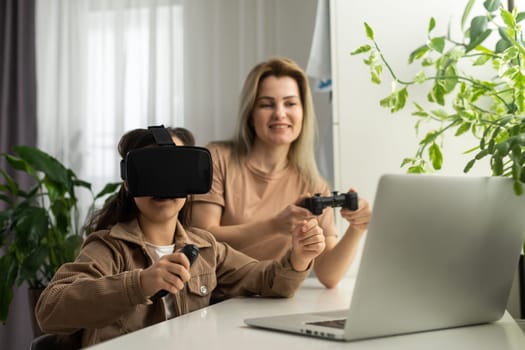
359	218
287	220
307	243
169	273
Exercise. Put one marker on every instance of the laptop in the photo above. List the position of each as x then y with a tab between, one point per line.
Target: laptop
440	252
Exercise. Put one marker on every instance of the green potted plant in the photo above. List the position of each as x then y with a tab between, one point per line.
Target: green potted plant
39	227
460	99
474	84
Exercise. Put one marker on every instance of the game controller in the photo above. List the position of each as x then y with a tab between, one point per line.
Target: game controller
317	203
191	251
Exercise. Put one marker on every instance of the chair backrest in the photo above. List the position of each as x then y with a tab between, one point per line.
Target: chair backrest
51	342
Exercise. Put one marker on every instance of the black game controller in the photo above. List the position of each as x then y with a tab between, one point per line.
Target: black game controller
317	203
191	251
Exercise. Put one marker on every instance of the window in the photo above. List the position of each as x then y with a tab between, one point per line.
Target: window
134	78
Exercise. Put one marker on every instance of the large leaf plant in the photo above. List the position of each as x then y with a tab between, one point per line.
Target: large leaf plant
474	84
39	227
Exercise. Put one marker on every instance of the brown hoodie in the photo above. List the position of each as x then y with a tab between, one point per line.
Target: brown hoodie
99	294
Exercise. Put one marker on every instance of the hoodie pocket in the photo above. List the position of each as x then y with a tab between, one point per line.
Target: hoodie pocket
200	288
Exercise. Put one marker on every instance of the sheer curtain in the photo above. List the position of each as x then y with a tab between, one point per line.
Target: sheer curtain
105	67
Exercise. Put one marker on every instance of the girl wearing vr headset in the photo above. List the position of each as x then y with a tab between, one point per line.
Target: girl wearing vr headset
268	168
113	286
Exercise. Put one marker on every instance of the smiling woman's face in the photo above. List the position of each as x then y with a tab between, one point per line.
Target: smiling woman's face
278	112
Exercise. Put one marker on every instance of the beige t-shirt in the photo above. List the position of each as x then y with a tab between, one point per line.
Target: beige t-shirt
248	194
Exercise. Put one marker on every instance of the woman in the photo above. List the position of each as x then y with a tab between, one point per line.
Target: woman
134	254
268	168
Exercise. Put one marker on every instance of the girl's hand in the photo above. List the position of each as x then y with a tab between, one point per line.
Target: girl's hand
307	243
169	273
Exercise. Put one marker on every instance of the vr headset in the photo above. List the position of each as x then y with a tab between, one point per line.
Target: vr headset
167	171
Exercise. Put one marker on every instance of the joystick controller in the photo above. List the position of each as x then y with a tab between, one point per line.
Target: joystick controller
317	203
191	251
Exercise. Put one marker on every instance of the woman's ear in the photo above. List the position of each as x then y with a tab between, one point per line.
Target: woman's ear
125	185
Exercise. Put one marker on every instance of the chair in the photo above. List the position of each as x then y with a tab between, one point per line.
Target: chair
51	342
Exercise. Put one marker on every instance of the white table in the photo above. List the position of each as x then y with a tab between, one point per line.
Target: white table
221	326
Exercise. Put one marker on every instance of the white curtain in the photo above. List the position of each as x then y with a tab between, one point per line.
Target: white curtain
105	67
108	66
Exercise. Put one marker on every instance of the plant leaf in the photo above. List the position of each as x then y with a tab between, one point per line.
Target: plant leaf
491	5
435	156
395	101
469	165
481	154
478	40
438	44
431	24
497	165
11	185
80	183
518	188
34	223
72	247
375	73
34	262
417	169
502	45
466	13
520	16
8	271
450	81
482	59
41	161
406	161
418	53
369	32
16	163
110	188
437	94
420	77
361	49
507	18
478	25
463	128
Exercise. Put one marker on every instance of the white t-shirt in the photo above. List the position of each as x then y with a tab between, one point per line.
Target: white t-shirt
158	251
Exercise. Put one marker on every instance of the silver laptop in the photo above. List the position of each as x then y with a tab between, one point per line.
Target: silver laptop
440	252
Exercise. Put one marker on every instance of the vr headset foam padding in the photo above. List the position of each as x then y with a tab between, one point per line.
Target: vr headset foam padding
167	171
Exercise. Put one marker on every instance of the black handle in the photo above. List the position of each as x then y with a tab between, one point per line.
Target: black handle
191	251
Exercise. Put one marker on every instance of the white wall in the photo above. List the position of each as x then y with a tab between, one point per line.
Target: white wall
227	38
369	141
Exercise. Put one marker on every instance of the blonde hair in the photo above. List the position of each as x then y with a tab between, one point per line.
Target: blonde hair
301	153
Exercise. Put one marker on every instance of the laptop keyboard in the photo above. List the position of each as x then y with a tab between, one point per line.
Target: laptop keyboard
340	323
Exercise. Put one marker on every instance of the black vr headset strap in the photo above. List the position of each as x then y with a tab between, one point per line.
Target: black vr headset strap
162	138
161	135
